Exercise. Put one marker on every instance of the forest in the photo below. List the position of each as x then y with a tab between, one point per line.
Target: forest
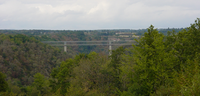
159	64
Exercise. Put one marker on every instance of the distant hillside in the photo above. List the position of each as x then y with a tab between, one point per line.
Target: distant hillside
22	56
85	35
104	32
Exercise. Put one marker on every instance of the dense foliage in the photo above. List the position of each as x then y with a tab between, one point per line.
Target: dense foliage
21	57
157	65
3	83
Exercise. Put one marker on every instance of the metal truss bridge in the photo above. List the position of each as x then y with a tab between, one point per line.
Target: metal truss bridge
109	43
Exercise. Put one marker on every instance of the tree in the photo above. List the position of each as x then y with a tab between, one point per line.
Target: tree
89	77
187	43
60	80
3	83
114	66
41	84
152	66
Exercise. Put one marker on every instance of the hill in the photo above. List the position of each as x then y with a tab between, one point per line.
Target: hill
22	56
85	35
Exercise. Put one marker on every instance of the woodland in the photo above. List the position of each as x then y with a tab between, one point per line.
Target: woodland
159	64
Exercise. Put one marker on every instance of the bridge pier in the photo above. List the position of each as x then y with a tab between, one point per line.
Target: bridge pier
65	46
110	48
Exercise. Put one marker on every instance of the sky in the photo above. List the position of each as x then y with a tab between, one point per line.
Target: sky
97	14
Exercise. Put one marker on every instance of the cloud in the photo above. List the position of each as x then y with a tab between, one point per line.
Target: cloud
97	14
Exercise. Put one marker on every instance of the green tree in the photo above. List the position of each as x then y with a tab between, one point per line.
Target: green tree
152	66
89	77
61	75
114	66
3	83
41	84
187	44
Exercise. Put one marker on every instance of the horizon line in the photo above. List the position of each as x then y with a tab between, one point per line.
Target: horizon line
97	29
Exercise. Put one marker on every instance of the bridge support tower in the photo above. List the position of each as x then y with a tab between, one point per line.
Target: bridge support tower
65	46
110	48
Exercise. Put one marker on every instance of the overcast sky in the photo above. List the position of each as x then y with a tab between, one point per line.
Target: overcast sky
97	14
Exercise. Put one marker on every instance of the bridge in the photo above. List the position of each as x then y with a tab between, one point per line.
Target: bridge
108	43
